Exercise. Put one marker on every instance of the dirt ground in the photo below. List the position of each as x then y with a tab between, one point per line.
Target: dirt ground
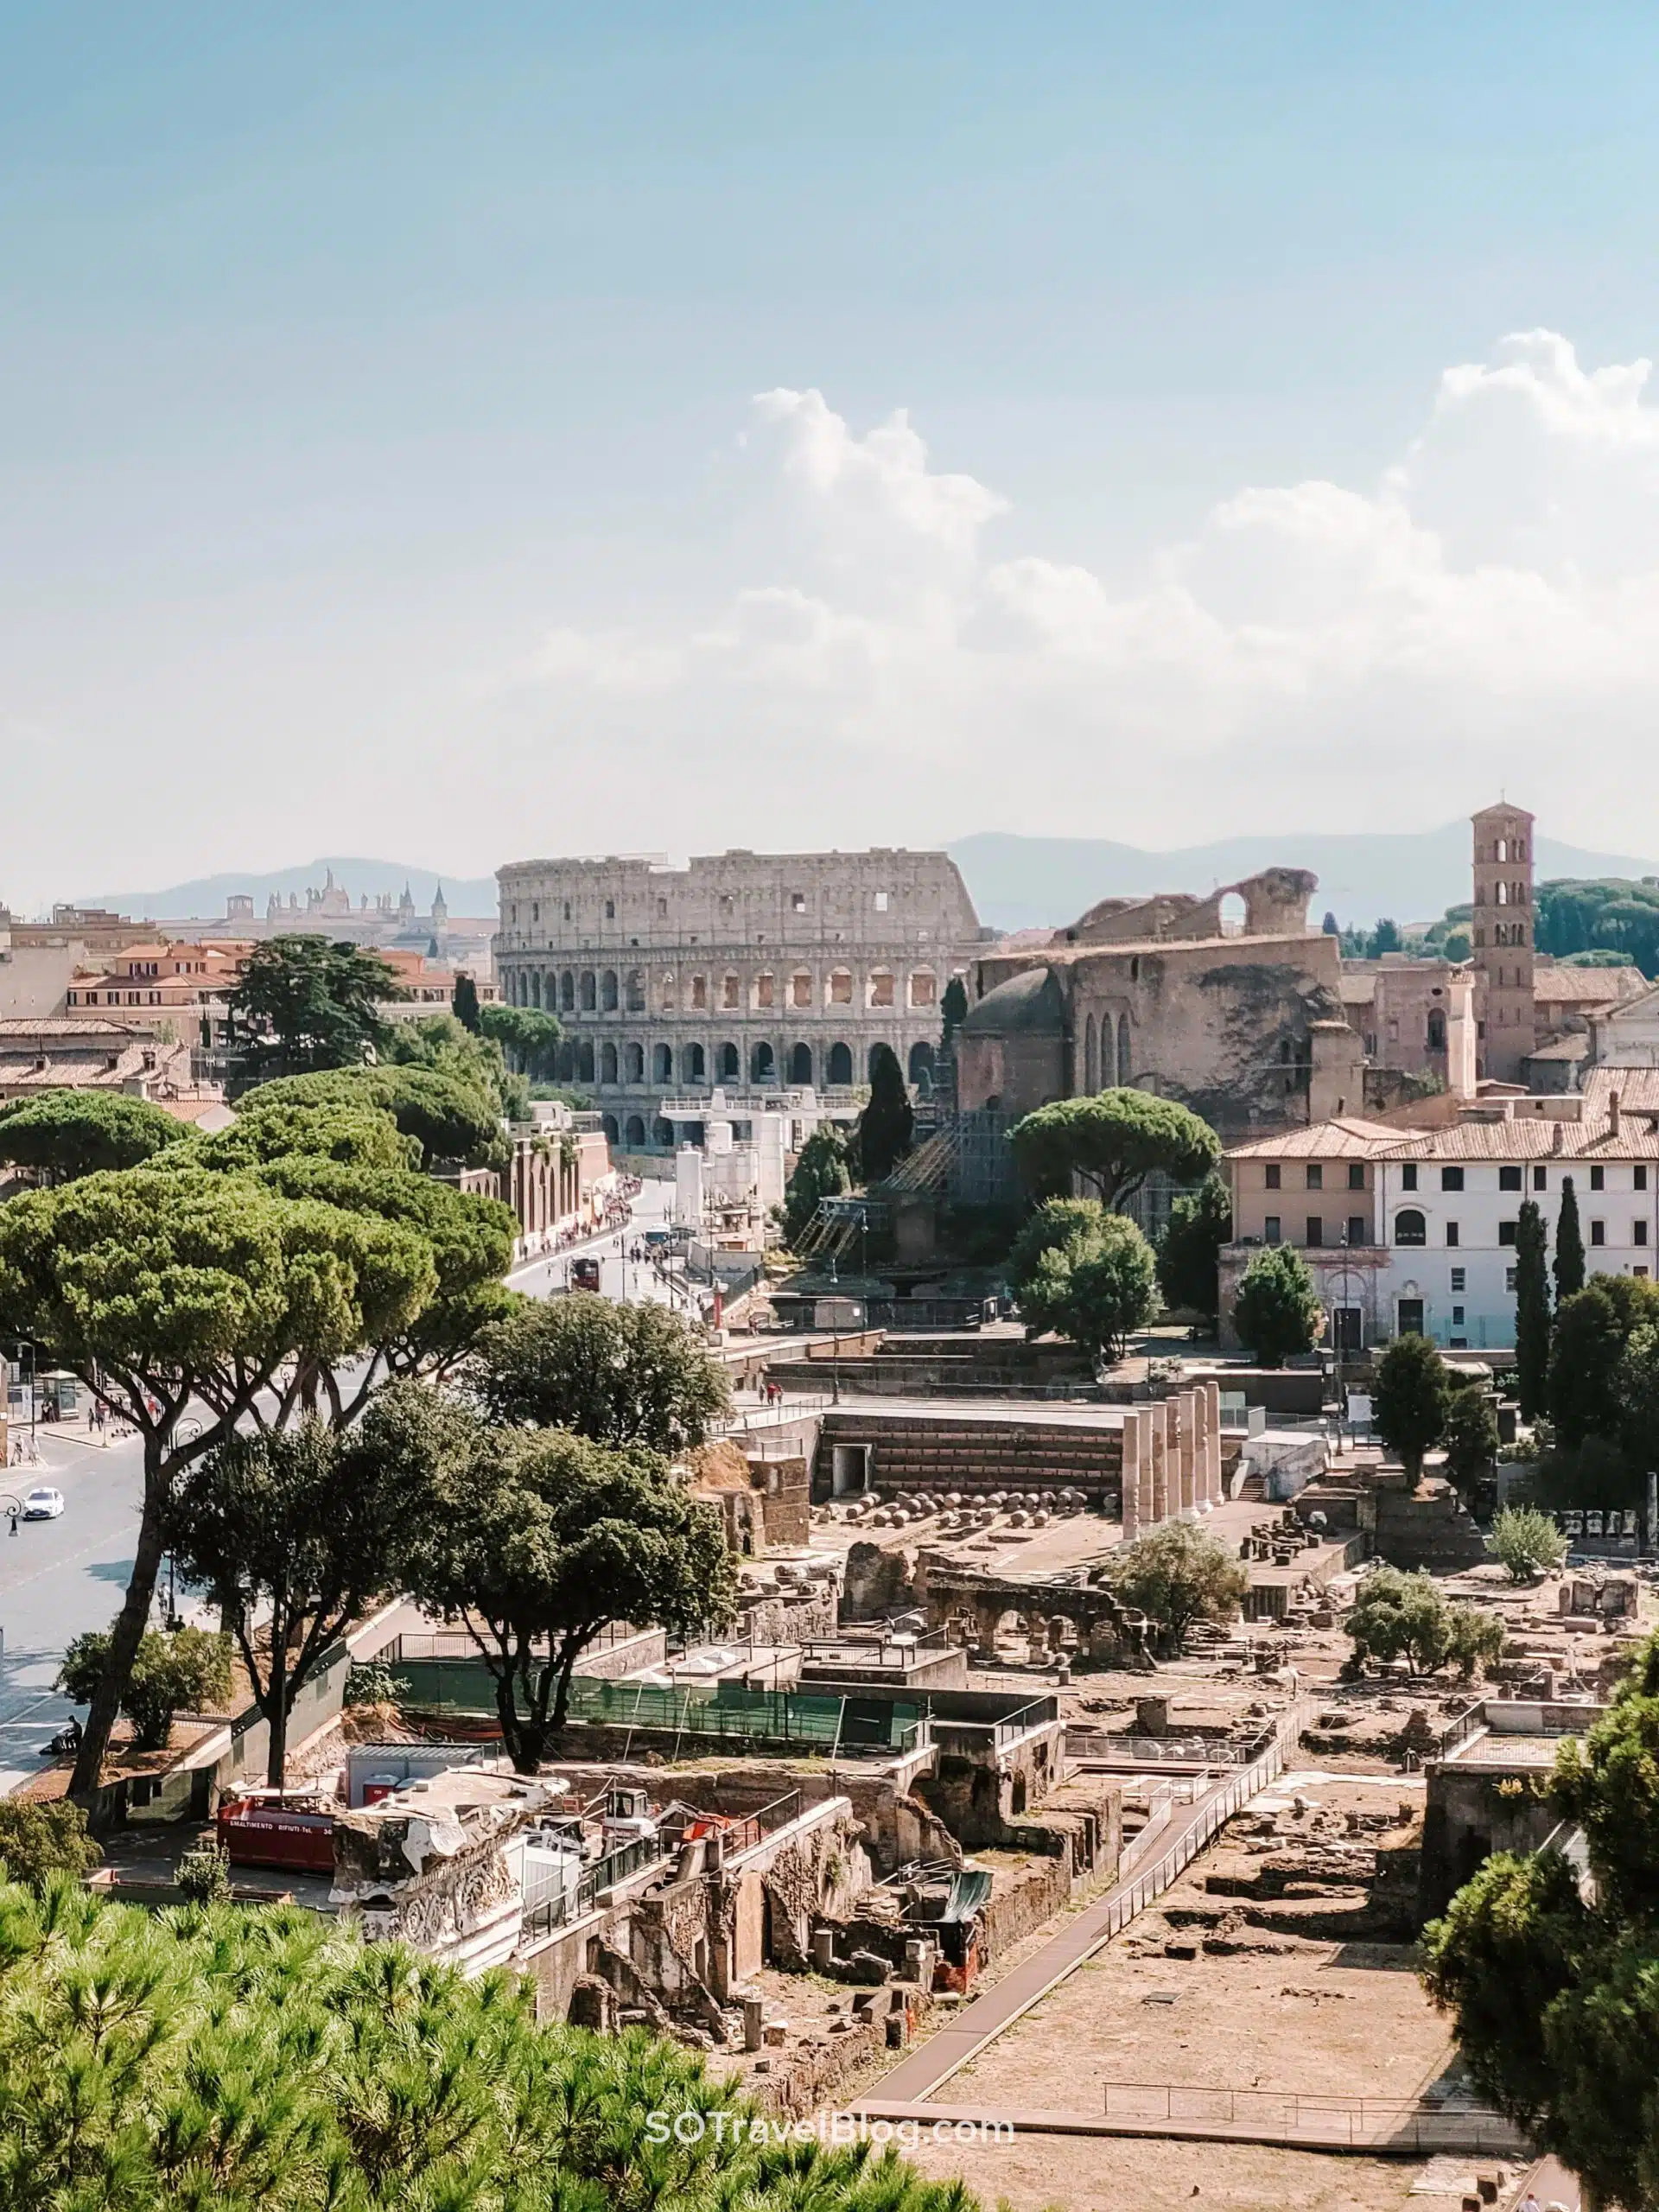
1055	2173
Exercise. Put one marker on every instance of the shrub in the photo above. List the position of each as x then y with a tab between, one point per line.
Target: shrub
36	1840
204	1872
1526	1541
1178	1574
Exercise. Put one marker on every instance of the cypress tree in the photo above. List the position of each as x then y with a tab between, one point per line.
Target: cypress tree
885	1126
1532	1310
1569	1246
464	1005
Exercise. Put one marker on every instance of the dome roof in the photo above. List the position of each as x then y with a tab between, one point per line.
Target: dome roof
1027	1004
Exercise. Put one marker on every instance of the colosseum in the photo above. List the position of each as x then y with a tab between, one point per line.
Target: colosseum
746	970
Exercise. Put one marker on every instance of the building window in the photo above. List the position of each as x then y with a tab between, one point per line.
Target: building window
1408	1175
1452	1232
1271	1172
1640	1273
1358	1229
1270	1231
880	902
797	902
763	992
567	910
1638	1232
924	986
1459	1278
1640	1176
699	994
534	910
1451	1178
800	989
882	987
1410	1227
1457	1317
1598	1179
1508	1179
1506	1232
730	993
1315	1175
1510	1275
1356	1174
1598	1232
1541	1179
841	989
1315	1230
610	909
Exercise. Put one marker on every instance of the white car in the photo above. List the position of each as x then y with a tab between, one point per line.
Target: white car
43	1504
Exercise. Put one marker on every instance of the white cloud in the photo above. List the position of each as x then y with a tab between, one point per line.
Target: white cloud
1487	613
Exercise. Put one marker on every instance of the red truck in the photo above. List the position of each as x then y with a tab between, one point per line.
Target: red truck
263	1831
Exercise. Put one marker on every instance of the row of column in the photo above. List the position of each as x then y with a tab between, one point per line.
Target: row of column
1171	1459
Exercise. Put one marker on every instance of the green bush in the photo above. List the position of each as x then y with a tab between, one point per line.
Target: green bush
36	1840
1526	1541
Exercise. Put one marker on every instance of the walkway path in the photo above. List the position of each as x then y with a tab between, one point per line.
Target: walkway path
931	2065
1404	2134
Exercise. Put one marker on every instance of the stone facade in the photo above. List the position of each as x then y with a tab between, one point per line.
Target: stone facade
745	969
1229	1005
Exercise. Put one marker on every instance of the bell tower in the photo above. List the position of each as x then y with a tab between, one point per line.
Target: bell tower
1502	927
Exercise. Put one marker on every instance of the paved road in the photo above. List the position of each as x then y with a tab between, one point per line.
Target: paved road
58	1578
619	1277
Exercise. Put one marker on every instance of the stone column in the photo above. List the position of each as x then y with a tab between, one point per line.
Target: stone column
1186	1412
1131	1436
1212	1437
1202	1499
1158	1415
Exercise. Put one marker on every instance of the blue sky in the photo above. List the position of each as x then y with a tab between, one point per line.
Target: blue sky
349	355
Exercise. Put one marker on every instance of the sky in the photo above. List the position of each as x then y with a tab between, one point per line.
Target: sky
459	434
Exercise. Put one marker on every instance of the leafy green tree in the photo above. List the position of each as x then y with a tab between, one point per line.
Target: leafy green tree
64	1133
1385	937
1329	926
359	1135
1277	1312
619	1375
204	1872
1470	1435
1458	944
439	1043
1055	1225
304	1002
1112	1141
1584	1363
36	1840
1636	1394
463	1004
529	1038
1525	1541
953	1007
1189	1255
1107	1292
539	1540
1178	1575
1398	1616
185	1670
299	1528
1408	1403
1569	1246
264	2059
451	1117
1532	1319
1548	1971
820	1171
883	1135
173	1290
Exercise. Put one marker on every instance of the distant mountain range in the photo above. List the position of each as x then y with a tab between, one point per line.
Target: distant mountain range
1016	882
1029	882
204	898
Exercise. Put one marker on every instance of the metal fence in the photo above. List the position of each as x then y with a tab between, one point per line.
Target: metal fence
830	1724
1158	1751
1419	2123
559	1907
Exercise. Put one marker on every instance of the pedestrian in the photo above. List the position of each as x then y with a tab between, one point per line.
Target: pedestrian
1528	2203
13	1521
